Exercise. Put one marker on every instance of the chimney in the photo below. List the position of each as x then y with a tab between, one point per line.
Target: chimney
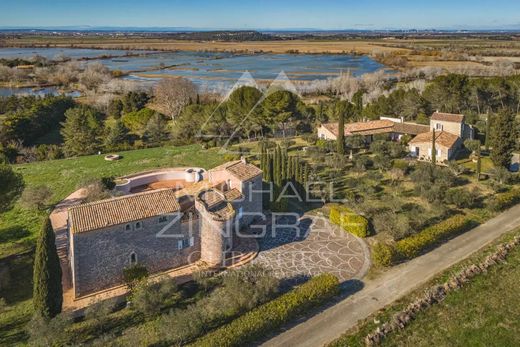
243	160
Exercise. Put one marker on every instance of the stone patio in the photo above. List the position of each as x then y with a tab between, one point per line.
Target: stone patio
318	247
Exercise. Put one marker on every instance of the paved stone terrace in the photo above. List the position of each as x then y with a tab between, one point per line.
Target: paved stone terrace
317	247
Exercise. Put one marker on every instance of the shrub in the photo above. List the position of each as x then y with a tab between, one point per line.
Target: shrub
349	221
503	201
401	164
461	197
149	298
134	273
411	246
383	254
37	197
272	315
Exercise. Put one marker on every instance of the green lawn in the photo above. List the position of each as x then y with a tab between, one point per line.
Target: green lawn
485	312
18	226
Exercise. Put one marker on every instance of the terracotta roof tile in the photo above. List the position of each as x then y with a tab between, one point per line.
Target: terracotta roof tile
447	117
124	209
232	194
410	128
242	171
362	128
442	138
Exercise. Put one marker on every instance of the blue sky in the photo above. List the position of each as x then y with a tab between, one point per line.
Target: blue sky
264	14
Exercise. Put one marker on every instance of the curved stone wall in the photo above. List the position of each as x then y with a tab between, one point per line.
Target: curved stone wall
189	175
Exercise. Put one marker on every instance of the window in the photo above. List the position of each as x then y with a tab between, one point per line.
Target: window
133	258
128	227
185	243
163	219
138	225
438	126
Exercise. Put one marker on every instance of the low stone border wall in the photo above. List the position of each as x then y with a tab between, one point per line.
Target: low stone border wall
438	293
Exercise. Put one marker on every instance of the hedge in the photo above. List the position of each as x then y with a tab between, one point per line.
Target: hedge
349	221
503	201
410	247
265	319
383	254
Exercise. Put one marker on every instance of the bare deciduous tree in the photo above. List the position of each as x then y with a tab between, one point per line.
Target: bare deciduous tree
172	94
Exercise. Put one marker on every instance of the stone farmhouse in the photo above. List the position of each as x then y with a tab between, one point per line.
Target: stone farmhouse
165	219
450	133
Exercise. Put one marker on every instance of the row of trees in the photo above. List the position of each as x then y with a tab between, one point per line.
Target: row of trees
287	175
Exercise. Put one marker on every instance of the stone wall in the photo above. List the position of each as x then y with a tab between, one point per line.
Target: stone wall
99	257
451	127
251	202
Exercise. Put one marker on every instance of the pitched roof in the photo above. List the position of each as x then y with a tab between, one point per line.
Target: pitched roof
362	128
410	128
239	169
232	194
447	117
124	209
442	138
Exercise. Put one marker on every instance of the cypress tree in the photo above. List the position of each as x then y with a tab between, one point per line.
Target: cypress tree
263	157
278	166
434	150
341	134
289	168
488	133
503	139
269	168
479	164
47	290
285	174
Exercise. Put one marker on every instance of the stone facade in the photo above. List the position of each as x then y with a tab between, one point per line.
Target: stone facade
99	257
423	151
203	228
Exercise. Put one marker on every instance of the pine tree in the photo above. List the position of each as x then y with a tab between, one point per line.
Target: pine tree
434	150
116	136
47	290
341	134
503	138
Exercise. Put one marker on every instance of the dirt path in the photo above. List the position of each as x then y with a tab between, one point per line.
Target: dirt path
376	294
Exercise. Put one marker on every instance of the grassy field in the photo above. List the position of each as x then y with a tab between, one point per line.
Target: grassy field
485	312
18	226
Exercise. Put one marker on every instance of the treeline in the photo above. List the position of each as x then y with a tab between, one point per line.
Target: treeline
27	119
246	114
235	36
450	93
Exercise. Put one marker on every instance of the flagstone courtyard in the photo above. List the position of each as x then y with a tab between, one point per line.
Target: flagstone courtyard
315	247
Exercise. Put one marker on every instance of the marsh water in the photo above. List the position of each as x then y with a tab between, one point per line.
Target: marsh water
209	69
